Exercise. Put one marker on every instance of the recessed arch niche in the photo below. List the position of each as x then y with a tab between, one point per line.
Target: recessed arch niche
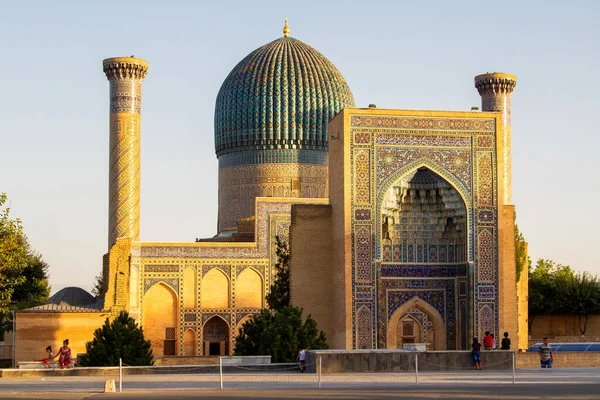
159	317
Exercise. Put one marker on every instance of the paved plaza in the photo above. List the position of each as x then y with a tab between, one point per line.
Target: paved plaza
581	383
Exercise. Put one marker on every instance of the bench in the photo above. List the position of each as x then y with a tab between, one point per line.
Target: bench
37	365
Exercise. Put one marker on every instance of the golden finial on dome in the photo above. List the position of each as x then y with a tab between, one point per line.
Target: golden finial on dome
286	29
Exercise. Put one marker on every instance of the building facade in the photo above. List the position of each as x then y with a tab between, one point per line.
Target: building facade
400	223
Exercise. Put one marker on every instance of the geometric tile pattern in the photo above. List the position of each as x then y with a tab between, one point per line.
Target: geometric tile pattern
462	152
125	76
280	96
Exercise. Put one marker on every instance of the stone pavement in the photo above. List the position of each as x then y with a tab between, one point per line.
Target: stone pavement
461	384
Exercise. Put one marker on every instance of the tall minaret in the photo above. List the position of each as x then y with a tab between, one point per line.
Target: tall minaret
495	89
125	75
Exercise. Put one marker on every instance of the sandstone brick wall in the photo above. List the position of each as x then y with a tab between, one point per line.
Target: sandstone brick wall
563	325
36	330
310	263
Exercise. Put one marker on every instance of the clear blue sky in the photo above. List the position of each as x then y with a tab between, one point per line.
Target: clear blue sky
396	54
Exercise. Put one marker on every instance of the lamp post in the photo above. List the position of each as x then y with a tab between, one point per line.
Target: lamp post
13	336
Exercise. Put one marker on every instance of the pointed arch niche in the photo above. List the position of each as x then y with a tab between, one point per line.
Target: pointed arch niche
159	318
416	321
423	221
215	334
248	289
214	291
189	343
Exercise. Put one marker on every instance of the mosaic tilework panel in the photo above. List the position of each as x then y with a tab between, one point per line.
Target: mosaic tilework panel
424	141
362	214
161	268
364	334
172	282
363	292
224	316
126	96
124	178
281	96
423	270
439	293
486	318
486	216
485	252
362	176
424	321
391	159
486	292
449	124
363	257
189	317
281	156
362	137
239	186
226	269
485	175
485	141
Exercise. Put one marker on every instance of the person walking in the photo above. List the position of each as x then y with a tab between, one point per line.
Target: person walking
545	352
505	344
476	353
302	359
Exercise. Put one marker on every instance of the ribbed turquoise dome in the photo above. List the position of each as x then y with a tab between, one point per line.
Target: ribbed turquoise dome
281	96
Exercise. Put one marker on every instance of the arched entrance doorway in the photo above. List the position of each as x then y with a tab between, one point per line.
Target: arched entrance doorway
424	245
416	322
216	337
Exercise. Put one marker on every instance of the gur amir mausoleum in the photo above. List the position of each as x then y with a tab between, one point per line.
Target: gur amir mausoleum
400	222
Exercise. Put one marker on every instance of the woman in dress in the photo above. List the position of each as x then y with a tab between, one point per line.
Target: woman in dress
64	355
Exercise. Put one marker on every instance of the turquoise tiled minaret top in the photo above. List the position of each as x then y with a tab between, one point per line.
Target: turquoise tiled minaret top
281	96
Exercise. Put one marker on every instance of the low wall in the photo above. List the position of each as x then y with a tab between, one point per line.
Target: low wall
563	325
176	369
211	360
333	361
359	361
561	359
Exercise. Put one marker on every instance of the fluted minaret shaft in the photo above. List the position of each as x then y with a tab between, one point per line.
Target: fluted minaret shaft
125	75
495	89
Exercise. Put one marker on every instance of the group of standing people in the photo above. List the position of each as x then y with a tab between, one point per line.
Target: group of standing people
64	355
489	343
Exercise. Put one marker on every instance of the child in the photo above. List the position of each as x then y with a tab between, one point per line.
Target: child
476	353
65	355
49	357
494	342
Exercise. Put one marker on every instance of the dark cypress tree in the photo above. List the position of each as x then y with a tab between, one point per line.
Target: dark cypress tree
279	296
120	338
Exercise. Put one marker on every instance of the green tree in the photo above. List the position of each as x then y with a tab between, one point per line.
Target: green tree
120	338
547	285
23	272
34	290
279	335
582	297
521	257
98	289
279	295
13	255
280	330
